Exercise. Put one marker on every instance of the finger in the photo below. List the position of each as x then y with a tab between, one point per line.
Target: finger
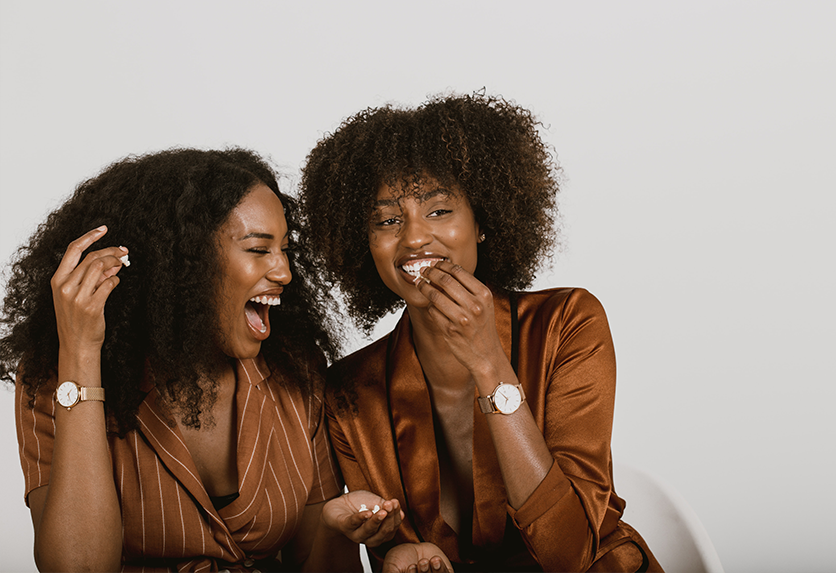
104	290
74	250
444	309
442	279
385	528
107	263
92	275
112	264
464	278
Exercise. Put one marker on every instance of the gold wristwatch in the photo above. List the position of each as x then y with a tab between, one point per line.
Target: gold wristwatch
68	394
505	399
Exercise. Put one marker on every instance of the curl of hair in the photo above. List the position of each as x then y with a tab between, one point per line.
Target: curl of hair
485	147
162	318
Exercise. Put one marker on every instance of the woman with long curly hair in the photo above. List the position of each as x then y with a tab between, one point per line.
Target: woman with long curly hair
169	377
487	412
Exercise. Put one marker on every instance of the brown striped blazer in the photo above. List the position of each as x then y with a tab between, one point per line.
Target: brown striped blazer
168	520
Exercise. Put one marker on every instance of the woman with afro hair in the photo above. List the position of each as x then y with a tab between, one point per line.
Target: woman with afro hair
487	412
169	409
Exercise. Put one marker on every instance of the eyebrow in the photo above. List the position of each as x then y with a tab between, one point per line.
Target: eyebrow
421	198
256	235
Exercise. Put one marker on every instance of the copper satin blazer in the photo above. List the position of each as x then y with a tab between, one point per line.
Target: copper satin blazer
383	436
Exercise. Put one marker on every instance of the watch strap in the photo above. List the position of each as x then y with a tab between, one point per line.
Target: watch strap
91	393
486	404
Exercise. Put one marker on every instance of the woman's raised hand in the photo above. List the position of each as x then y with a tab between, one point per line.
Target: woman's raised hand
80	290
462	308
416	558
364	526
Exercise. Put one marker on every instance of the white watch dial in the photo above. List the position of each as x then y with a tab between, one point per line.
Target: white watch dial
67	394
507	398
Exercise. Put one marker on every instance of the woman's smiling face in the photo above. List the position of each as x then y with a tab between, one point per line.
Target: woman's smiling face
409	231
252	244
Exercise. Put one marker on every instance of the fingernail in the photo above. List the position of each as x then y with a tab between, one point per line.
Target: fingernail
102	228
420	277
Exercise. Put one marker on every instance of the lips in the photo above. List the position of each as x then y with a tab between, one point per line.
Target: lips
413	266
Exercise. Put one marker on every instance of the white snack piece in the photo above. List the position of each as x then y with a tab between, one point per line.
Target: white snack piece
376	509
125	261
362	507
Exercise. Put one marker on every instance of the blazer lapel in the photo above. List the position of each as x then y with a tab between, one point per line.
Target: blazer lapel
412	424
490	497
163	435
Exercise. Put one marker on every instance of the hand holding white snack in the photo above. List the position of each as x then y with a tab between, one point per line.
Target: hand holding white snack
364	517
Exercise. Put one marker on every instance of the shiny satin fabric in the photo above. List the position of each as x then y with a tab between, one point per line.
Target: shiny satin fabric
384	439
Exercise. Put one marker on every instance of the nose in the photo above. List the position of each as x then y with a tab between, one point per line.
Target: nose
415	232
280	270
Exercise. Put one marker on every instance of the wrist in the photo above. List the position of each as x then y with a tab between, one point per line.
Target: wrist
487	378
84	367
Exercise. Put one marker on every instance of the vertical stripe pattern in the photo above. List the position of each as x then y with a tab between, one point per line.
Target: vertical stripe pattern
284	463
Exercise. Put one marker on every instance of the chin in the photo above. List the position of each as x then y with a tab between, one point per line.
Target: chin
244	353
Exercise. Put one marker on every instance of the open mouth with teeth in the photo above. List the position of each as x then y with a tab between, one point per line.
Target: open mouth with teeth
257	311
413	268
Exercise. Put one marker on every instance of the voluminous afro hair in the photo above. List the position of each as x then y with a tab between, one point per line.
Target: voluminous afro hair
485	147
166	208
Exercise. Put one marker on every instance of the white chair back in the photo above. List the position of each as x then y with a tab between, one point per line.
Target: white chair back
666	521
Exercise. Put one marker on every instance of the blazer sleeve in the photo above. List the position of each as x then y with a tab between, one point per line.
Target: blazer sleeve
35	423
327	483
351	471
574	384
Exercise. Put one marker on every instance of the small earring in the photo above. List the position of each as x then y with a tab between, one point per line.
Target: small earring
481	237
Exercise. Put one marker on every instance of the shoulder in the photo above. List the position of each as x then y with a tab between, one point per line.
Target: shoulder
360	376
562	301
368	362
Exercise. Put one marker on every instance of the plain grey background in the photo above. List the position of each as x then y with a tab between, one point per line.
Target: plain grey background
698	146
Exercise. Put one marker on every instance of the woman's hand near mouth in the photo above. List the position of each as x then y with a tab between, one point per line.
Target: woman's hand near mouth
462	309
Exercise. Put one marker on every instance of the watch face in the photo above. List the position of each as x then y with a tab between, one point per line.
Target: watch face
67	394
507	398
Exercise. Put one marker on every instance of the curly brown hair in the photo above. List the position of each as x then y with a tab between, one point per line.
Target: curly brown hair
486	147
166	208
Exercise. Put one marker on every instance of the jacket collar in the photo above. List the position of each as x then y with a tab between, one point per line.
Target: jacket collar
412	417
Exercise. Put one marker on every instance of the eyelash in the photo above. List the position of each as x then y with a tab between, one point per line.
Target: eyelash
264	251
389	221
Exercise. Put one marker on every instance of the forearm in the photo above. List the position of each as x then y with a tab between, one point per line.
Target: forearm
79	521
524	458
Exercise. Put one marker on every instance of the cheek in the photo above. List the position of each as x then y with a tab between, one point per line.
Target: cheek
377	248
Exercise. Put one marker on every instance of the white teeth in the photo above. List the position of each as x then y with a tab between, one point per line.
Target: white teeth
414	269
268	300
